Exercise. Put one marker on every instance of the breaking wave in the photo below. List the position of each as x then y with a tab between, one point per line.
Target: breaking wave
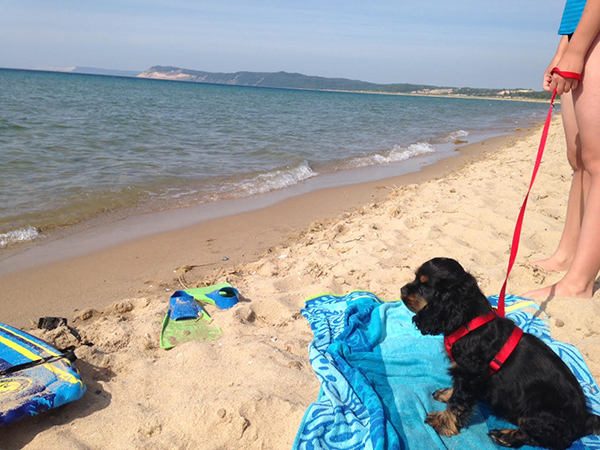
457	135
274	180
22	235
397	154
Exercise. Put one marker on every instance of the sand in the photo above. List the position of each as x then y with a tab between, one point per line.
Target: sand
249	389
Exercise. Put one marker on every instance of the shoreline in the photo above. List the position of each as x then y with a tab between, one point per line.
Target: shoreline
459	96
138	221
267	219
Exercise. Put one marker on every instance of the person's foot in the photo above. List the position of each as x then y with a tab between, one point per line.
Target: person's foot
553	264
560	289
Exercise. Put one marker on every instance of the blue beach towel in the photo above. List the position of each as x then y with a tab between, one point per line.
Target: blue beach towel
378	372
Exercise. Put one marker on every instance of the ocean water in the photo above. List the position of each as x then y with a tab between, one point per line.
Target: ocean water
76	147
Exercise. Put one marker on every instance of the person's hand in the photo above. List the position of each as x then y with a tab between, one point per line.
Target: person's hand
560	51
548	73
547	78
567	63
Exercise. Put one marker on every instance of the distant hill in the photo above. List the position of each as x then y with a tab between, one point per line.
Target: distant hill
268	79
298	81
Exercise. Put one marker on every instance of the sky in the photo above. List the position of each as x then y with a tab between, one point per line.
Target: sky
465	43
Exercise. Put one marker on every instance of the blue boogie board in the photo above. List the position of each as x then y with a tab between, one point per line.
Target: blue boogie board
44	378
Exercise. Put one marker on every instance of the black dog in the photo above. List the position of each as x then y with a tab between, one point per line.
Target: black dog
533	389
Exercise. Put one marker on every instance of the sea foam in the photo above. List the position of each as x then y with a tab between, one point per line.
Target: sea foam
456	135
276	179
22	235
398	153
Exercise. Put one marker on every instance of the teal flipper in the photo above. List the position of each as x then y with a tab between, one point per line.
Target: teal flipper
222	295
186	321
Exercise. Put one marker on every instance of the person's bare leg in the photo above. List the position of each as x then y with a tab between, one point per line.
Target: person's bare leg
565	252
580	277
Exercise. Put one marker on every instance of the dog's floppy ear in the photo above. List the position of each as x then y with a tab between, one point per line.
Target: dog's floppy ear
439	316
449	306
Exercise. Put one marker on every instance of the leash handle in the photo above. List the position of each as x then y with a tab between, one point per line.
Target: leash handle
517	233
565	74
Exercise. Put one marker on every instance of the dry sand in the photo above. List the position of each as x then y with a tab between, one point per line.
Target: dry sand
249	389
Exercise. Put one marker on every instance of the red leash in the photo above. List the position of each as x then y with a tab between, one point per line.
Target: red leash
517	233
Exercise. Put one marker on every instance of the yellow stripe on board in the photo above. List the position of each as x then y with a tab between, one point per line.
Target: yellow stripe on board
35	344
33	357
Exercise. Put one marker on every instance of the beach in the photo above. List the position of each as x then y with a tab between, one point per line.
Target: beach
250	388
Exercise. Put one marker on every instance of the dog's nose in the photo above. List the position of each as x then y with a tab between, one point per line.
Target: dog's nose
403	292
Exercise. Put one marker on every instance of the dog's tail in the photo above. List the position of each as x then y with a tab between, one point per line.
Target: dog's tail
592	424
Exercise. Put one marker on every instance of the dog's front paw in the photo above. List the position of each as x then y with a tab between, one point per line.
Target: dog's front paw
443	422
443	395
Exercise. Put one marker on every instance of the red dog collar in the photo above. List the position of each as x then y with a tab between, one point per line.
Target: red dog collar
504	352
465	329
